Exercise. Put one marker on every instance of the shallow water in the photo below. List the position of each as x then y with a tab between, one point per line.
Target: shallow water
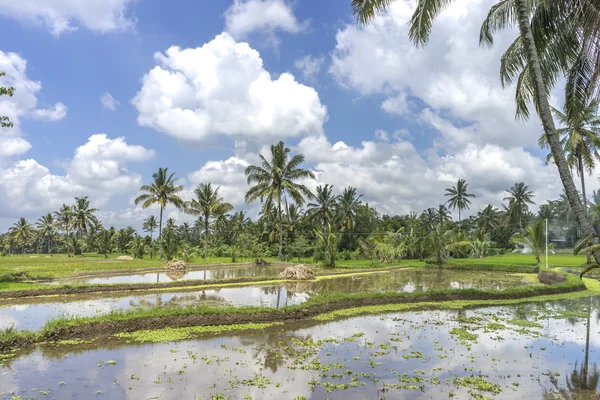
171	276
532	351
33	313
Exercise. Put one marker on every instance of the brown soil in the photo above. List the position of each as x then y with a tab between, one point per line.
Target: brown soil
108	328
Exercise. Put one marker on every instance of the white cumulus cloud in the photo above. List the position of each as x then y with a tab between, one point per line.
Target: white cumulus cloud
264	16
310	66
222	89
21	105
61	16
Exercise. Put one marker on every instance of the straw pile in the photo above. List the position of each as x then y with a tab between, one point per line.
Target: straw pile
176	264
298	272
124	258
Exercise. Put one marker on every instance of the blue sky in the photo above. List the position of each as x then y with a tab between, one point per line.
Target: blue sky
442	109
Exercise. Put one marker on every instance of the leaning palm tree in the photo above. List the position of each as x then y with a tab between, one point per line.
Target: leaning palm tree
536	71
276	179
519	197
580	138
209	205
324	208
46	225
163	191
21	232
533	237
459	197
64	219
83	215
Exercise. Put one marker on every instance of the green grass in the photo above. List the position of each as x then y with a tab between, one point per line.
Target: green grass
557	260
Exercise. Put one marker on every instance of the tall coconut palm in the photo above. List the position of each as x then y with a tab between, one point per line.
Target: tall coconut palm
580	138
64	219
519	197
276	179
538	80
46	225
208	205
533	237
83	215
489	218
459	197
347	206
163	191
324	208
21	232
150	225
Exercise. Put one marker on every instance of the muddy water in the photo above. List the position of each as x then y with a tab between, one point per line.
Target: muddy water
544	351
171	276
32	314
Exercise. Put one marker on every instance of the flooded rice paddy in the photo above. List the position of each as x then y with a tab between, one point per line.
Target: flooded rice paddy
177	275
536	351
33	313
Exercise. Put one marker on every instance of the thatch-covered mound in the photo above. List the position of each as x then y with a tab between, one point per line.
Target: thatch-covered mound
176	264
124	258
299	272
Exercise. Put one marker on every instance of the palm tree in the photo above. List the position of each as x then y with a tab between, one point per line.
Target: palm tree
347	206
64	218
519	197
489	218
437	241
533	237
83	215
526	63
274	180
580	138
239	222
209	205
324	208
21	232
150	224
47	227
442	215
163	191
104	241
459	197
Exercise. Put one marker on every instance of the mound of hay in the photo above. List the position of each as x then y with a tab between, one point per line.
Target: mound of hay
298	272
124	258
176	264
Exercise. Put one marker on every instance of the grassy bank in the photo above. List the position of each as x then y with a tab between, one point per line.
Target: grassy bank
150	319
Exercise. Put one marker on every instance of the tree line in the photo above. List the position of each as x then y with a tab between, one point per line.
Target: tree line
295	222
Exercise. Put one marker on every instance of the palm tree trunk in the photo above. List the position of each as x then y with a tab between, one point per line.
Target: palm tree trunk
160	233
588	255
280	255
545	114
205	236
458	219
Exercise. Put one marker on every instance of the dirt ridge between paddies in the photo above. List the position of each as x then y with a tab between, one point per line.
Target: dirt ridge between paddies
186	284
121	322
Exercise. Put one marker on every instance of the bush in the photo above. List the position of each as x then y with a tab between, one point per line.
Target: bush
345	255
4	253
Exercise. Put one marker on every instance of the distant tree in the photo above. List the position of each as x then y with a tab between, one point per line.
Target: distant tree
326	244
442	215
46	225
150	225
519	197
21	233
64	219
489	218
347	206
323	210
104	242
209	205
83	215
437	241
163	191
459	197
275	179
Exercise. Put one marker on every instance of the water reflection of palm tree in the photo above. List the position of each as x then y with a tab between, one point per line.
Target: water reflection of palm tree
582	383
